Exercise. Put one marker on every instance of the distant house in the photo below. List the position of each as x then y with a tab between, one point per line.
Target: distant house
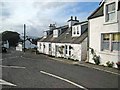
5	44
68	41
104	32
28	44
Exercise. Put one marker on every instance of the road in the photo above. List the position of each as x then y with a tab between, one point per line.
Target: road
25	70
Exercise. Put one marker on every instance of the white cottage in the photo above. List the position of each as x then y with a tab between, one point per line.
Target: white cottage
68	41
28	45
104	32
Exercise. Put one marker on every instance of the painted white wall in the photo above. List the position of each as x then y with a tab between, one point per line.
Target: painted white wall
76	53
19	47
96	27
84	50
55	33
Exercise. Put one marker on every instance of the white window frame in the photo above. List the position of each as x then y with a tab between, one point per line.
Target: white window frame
110	42
105	12
76	31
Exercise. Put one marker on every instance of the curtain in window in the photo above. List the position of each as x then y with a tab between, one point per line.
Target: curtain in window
105	43
116	41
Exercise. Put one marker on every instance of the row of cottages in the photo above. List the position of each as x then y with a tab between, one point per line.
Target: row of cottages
104	32
68	41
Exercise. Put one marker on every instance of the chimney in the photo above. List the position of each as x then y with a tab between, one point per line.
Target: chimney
71	17
75	18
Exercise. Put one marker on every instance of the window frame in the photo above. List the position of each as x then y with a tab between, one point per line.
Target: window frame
105	13
50	47
66	49
110	41
109	12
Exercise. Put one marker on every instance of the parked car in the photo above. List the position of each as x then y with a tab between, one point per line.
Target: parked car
4	50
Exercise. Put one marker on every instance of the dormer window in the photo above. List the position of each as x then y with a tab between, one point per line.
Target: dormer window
55	33
76	30
110	12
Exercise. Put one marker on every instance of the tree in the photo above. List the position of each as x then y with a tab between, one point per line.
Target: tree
12	37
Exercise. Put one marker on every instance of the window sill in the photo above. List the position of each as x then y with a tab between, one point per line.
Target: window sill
108	52
110	22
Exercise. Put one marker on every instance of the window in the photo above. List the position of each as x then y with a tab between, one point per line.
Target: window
110	12
77	30
116	41
74	31
49	47
43	46
55	33
105	41
69	50
111	41
65	49
40	45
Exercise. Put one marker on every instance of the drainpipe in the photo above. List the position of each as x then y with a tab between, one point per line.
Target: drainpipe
88	42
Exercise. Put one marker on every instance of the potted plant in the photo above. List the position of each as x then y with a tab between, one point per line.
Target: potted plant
118	64
110	64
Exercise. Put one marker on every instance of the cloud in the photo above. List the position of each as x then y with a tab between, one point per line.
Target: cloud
38	15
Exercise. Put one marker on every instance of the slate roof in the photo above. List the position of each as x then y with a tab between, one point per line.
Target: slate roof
66	37
80	23
98	12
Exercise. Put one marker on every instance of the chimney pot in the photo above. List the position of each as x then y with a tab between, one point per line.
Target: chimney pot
71	17
75	18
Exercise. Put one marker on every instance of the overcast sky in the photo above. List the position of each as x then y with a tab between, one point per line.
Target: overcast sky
37	15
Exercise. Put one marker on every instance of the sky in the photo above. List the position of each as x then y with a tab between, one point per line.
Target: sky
38	14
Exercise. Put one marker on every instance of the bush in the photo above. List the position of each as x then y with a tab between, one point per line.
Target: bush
96	59
110	64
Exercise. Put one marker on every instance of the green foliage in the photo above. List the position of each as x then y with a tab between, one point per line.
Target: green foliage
95	57
110	64
12	37
60	50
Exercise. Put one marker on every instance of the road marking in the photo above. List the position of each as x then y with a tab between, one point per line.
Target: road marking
3	82
63	79
12	66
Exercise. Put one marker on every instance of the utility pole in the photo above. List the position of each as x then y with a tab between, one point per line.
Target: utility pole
24	37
